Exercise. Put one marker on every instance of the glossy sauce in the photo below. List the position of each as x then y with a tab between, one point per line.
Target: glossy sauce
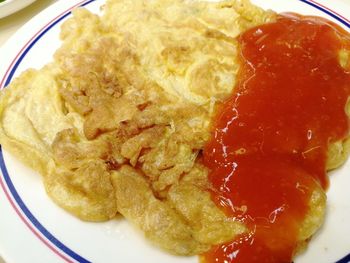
269	146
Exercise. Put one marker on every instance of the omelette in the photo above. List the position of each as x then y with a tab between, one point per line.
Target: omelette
117	122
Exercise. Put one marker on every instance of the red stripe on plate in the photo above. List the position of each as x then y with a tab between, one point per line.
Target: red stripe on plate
330	10
32	38
8	196
29	225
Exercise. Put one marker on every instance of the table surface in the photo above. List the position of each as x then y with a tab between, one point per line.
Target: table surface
10	24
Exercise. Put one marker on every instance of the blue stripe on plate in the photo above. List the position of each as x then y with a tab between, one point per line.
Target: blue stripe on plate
7	178
32	218
345	259
328	12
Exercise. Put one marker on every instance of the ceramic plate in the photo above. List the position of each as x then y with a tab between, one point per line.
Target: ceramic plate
9	7
34	229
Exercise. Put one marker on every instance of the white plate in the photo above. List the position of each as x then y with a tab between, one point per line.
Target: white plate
33	229
11	6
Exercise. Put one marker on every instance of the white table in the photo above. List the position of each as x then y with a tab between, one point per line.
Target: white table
10	24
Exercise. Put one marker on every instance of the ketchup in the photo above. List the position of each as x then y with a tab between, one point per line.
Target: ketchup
270	139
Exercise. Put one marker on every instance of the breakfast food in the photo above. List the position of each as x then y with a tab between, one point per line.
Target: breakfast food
118	122
268	153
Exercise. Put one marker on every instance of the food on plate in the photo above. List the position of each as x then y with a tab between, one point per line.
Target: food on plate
268	153
126	119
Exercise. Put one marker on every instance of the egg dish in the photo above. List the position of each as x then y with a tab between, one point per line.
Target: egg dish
117	122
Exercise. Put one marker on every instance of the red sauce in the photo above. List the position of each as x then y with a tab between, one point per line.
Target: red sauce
269	147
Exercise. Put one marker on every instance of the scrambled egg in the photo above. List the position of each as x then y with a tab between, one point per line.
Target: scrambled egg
117	122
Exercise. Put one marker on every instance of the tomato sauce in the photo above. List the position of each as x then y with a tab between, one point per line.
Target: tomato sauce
270	139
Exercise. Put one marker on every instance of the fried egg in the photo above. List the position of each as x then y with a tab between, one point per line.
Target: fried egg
117	121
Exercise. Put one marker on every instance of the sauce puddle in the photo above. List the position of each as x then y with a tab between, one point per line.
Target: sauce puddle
269	147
